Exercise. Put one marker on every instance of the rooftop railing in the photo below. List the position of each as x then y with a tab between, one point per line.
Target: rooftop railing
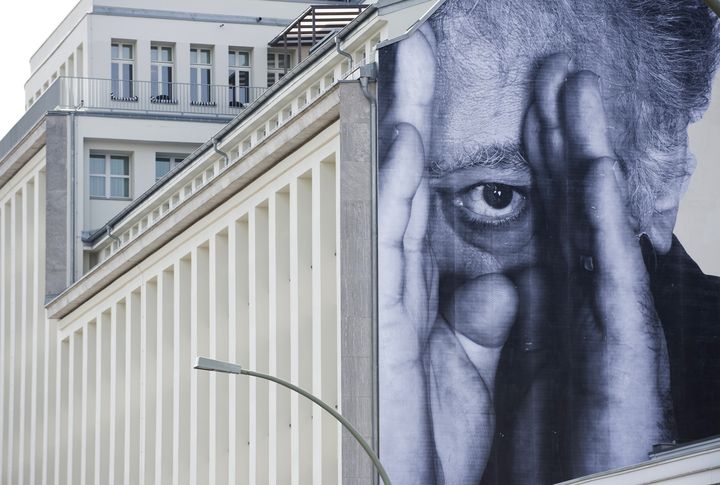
181	99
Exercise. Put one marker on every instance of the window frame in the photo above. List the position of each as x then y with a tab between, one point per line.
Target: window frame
200	92
162	90
175	159
108	176
275	72
122	89
239	94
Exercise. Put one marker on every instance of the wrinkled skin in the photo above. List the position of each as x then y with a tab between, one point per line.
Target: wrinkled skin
542	246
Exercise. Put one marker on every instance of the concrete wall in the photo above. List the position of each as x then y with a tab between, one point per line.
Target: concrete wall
356	294
57	253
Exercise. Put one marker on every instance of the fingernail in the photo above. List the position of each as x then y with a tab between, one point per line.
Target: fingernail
599	85
618	173
396	132
571	65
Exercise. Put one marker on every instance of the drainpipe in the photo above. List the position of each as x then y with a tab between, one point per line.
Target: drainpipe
217	150
108	231
368	74
343	53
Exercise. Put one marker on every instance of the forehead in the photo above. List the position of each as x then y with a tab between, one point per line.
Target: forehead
480	100
483	91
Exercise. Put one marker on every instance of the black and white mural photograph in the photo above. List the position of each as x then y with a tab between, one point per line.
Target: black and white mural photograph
539	317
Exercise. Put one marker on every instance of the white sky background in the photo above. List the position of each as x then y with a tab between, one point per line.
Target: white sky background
24	25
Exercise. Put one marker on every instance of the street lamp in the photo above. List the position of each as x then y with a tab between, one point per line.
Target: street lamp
203	363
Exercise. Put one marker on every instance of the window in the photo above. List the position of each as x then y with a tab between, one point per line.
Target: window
109	176
200	77
239	77
278	64
164	163
122	71
161	74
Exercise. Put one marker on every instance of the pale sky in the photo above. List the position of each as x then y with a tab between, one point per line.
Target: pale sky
24	25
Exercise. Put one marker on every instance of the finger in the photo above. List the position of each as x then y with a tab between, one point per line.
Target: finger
549	83
482	312
586	124
400	177
419	282
415	83
616	248
462	415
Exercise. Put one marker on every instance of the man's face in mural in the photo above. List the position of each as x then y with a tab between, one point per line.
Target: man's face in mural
514	212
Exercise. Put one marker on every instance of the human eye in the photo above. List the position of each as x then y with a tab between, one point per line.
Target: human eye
490	203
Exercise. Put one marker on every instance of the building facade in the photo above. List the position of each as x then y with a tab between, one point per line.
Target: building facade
153	210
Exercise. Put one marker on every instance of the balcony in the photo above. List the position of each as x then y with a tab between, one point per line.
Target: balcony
178	99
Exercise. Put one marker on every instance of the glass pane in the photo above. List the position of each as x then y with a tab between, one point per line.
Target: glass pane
244	59
270	79
193	82
205	76
153	54
167	81
97	164
127	51
243	78
119	187
114	50
193	56
231	77
119	166
205	56
97	186
167	54
114	71
127	75
281	61
162	166
154	74
206	93
231	58
271	60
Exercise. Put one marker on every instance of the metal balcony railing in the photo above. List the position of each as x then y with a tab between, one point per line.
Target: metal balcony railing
156	97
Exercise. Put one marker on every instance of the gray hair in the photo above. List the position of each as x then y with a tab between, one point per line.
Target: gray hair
664	53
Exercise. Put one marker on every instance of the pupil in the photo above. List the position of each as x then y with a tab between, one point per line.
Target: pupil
498	196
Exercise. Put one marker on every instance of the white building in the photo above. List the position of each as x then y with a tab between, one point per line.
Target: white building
179	187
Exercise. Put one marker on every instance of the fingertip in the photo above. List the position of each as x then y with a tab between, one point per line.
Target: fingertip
548	84
585	118
484	309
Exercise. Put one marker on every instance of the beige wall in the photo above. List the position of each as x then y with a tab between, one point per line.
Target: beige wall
698	225
254	281
27	340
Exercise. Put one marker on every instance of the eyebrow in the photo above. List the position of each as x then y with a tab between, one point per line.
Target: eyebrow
503	156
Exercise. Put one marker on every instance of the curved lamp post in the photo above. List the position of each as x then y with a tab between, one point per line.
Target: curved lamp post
203	363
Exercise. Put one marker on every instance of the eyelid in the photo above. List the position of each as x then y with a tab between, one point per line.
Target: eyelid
469	177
